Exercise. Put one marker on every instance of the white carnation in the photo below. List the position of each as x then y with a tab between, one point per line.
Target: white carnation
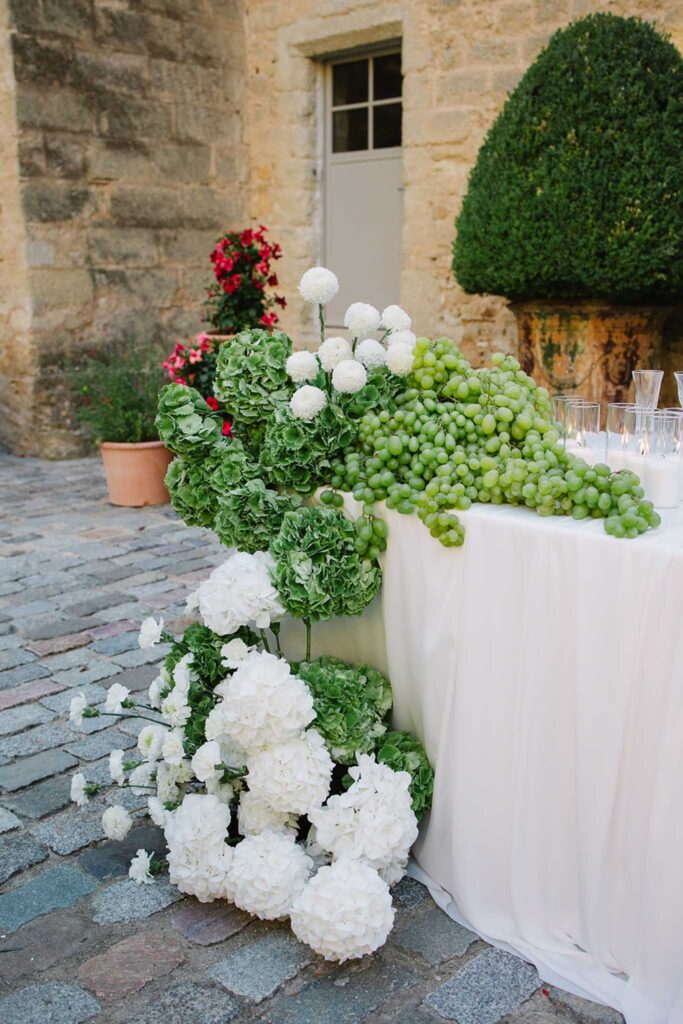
150	740
401	338
150	632
225	791
139	868
371	354
254	816
307	402
198	857
78	793
395	319
361	319
268	872
344	912
175	710
116	694
157	811
302	366
333	351
116	767
76	709
157	687
294	776
116	822
182	674
169	779
400	359
192	602
349	376
205	760
235	652
239	593
141	778
172	747
318	286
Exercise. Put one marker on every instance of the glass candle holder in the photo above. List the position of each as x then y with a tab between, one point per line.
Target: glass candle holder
679	414
679	384
560	403
635	442
647	384
617	435
661	460
582	425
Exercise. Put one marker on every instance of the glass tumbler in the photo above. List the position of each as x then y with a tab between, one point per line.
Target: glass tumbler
560	403
583	430
647	384
617	436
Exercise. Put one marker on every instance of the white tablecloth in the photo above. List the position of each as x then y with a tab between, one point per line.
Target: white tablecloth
542	666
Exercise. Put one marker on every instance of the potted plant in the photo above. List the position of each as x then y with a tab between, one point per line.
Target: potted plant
117	390
574	209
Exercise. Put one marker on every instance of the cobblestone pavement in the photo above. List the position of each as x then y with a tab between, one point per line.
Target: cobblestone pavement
78	940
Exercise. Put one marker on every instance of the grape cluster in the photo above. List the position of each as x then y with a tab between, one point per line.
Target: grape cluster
457	435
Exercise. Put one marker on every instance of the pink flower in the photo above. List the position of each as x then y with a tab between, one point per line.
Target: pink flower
195	355
227	428
211	402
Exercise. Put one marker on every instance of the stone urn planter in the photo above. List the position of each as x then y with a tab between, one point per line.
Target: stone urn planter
135	472
587	347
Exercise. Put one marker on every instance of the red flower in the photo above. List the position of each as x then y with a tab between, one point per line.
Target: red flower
281	301
180	380
269	319
247	237
195	355
265	252
273	281
227	428
261	268
212	402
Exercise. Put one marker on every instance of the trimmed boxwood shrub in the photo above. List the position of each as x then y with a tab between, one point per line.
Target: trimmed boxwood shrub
577	191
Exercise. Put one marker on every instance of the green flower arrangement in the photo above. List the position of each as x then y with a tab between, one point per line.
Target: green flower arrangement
249	516
192	494
298	454
318	573
350	703
251	379
402	752
230	466
185	422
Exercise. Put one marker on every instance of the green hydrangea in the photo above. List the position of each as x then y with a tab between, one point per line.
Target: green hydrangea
350	702
186	424
191	489
249	516
318	573
251	379
402	752
230	466
298	454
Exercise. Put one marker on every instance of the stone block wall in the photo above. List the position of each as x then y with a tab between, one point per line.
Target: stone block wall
131	161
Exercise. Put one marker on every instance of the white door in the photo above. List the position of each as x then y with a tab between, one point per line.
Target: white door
363	192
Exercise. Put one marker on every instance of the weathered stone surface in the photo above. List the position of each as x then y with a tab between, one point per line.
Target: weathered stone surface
41	799
8	821
72	829
61	702
129	965
127	901
23	717
188	1003
94	670
583	1011
34	741
27	692
433	935
53	1002
17	853
486	989
257	969
95	604
32	769
14	656
409	893
208	923
139	678
113	857
56	627
58	644
44	941
51	889
21	674
89	748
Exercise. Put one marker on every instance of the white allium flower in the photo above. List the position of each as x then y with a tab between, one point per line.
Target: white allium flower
333	351
156	688
172	747
371	354
318	286
264	703
302	366
157	811
361	319
349	376
344	912
401	338
395	319
198	856
268	872
78	793
116	694
400	359
239	593
192	602
150	740
116	822
307	402
235	652
254	816
294	776
76	709
139	868
205	760
116	767
150	632
141	778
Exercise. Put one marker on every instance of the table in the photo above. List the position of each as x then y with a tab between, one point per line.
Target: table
542	666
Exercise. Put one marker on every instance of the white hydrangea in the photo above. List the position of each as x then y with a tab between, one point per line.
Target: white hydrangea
361	319
395	319
116	822
264	703
293	776
349	376
400	359
141	778
78	793
253	817
334	351
401	338
139	868
116	767
239	593
235	652
116	694
198	856
172	747
205	760
150	632
308	402
302	366
267	874
371	354
76	708
156	811
318	286
344	912
150	740
373	820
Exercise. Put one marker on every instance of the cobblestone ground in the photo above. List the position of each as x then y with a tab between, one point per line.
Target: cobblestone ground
78	940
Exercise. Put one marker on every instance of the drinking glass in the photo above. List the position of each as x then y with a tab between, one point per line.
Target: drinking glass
647	383
560	403
617	436
679	383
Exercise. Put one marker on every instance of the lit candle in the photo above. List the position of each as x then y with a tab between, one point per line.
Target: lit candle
616	459
662	480
635	462
588	455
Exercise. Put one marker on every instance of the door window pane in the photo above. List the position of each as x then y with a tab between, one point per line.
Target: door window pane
350	83
387	76
350	130
387	125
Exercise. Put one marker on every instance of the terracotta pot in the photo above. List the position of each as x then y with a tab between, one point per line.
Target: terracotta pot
135	472
588	347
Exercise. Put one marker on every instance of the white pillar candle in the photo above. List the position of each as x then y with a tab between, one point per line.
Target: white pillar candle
588	455
616	459
635	462
662	480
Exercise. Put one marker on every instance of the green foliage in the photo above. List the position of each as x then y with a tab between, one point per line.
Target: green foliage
249	516
350	702
578	187
185	422
298	453
251	379
116	389
402	752
318	572
192	494
230	465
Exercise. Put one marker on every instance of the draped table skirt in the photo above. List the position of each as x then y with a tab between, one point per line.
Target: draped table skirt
541	664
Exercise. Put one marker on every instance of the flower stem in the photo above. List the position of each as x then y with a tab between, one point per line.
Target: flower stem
321	318
264	640
308	639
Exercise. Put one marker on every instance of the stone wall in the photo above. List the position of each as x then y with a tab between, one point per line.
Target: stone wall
131	161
